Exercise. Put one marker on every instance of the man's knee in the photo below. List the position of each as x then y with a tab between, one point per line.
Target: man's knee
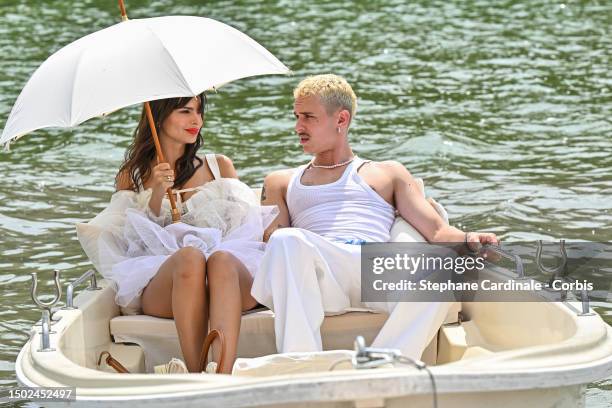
283	236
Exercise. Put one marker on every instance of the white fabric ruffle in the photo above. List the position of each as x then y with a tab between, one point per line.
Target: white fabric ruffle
127	243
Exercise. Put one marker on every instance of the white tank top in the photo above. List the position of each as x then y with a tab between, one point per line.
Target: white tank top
347	210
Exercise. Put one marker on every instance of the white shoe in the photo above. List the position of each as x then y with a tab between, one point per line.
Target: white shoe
174	366
211	368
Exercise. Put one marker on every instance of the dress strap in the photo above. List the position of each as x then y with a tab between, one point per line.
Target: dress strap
179	198
211	160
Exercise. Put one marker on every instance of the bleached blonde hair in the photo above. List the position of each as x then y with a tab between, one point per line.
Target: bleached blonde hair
333	90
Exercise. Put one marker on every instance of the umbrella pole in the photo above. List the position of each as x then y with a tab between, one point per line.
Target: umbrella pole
176	216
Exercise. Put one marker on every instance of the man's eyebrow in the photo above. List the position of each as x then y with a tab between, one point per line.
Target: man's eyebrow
303	113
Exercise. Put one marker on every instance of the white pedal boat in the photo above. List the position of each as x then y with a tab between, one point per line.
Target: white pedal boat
527	354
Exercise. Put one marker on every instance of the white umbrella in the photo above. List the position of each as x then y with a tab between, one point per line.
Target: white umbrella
133	62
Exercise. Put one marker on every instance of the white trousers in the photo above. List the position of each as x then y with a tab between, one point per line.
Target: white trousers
303	276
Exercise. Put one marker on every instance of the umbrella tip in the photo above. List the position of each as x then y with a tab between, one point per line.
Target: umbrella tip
124	16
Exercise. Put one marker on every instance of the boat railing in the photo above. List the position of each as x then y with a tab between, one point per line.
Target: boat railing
558	273
520	270
48	318
583	297
370	357
47	313
93	285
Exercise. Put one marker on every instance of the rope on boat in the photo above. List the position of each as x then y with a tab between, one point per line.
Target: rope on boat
422	366
407	361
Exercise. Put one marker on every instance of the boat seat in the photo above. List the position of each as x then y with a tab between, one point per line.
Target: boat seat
159	339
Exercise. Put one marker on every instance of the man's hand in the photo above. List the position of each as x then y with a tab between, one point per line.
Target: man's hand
475	240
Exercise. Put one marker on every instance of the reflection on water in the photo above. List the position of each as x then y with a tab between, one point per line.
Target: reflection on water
504	109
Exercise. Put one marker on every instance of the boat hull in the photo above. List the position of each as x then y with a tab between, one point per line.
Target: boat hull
485	361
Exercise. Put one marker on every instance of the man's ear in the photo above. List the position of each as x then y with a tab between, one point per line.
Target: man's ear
344	118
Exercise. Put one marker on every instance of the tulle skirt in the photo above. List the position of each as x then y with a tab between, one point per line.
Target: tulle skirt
127	243
150	245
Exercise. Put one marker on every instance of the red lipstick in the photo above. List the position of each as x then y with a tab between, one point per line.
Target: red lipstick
193	131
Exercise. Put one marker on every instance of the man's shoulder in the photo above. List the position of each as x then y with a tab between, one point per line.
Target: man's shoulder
279	177
281	174
389	167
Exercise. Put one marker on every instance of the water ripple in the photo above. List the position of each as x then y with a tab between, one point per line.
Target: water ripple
502	108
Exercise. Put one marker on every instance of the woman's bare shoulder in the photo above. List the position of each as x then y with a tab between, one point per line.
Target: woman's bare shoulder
226	166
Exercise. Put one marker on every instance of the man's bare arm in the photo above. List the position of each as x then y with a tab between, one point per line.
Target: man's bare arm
274	193
415	209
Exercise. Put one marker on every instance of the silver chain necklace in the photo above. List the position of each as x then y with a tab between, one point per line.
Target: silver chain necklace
331	166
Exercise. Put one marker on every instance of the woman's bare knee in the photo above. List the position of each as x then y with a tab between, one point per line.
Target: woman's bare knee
221	258
218	273
222	266
189	254
189	264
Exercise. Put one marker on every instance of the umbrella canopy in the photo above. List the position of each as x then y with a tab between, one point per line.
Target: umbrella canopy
132	62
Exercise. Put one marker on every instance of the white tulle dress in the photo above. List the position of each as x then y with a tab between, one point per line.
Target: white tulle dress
127	243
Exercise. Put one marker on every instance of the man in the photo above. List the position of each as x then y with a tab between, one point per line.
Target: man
332	204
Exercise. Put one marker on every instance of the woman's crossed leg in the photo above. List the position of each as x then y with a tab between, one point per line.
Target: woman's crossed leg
229	286
179	291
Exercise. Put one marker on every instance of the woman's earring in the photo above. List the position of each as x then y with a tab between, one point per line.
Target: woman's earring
338	129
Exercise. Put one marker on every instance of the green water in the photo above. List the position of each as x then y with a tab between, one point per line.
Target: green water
503	108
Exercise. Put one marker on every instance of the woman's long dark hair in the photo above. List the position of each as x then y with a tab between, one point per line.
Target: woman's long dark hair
141	153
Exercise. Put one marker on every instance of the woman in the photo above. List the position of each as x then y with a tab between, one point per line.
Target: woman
198	271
